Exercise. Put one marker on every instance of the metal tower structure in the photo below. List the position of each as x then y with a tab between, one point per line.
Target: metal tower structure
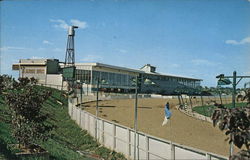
70	51
69	64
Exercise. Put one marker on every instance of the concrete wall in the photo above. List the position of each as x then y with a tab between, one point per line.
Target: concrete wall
121	139
54	79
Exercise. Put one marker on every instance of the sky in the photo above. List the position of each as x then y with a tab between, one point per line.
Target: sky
193	38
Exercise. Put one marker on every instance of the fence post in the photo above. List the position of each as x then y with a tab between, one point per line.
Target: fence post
128	143
191	104
88	124
96	126
72	108
179	100
208	156
172	151
147	147
202	103
102	132
114	136
83	119
80	119
69	107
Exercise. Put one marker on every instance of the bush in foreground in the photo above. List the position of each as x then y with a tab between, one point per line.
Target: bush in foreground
236	123
25	101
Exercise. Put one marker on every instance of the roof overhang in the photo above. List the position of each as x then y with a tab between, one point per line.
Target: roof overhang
18	65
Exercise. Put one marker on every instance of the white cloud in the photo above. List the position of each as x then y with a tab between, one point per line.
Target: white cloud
47	42
247	73
234	42
176	65
122	51
41	49
80	24
57	50
92	58
8	48
35	57
62	23
199	62
231	42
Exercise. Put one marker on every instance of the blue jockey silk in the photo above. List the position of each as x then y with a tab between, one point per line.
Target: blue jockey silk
168	114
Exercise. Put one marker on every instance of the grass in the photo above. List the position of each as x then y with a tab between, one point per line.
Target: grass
67	138
208	110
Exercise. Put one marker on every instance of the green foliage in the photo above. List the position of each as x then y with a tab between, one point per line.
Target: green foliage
109	155
236	123
6	83
67	136
28	122
208	110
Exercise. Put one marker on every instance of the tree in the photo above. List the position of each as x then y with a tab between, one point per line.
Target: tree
236	123
6	82
28	122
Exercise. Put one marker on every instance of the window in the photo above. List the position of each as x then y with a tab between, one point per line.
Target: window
83	76
33	71
40	71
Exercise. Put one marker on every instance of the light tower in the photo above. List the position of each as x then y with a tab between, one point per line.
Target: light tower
69	64
70	51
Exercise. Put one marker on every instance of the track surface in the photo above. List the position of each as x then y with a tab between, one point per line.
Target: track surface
181	129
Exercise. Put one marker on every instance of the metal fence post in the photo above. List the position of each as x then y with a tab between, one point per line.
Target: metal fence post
128	142
114	136
208	156
179	100
72	107
83	117
202	103
191	104
88	124
182	100
80	119
147	147
172	151
102	132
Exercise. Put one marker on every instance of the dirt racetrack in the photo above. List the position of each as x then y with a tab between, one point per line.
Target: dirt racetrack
181	129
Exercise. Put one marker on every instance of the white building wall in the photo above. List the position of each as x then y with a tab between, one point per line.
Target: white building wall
54	79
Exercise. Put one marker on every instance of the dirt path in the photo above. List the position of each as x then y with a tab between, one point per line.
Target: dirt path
181	129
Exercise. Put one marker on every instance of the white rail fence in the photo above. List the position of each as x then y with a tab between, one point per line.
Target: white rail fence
121	139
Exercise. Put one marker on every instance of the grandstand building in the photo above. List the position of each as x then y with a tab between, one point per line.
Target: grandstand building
111	78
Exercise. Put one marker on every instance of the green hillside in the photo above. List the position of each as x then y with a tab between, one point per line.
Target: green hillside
67	137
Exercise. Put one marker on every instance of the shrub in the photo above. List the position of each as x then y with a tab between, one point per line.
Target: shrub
6	82
236	123
25	101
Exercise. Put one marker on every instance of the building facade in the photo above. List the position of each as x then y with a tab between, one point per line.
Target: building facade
46	71
109	78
